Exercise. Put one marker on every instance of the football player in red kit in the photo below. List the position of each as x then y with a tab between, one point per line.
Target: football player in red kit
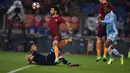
54	29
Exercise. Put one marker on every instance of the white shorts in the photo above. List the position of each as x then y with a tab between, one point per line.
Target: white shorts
112	37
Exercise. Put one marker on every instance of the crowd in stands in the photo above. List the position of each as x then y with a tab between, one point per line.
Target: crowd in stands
87	8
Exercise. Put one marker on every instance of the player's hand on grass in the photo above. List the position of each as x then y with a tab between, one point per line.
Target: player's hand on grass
29	63
26	57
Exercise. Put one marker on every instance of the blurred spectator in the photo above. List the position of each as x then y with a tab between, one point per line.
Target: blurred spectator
43	30
46	6
120	26
64	7
71	7
27	5
90	26
127	5
91	13
127	27
91	8
32	29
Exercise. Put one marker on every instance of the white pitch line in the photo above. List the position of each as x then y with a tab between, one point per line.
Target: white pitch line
19	69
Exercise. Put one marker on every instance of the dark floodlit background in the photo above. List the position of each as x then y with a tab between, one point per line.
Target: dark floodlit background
81	14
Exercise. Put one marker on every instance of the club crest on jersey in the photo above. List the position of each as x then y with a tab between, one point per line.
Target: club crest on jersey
56	20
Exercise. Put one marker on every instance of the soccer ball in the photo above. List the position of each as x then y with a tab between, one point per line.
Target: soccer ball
35	5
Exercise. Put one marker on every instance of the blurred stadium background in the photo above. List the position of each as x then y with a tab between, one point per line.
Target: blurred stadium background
81	14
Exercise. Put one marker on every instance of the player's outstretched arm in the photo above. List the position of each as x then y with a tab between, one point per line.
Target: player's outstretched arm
110	20
68	24
10	9
65	22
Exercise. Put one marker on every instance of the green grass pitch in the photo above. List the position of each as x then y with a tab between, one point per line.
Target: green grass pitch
13	60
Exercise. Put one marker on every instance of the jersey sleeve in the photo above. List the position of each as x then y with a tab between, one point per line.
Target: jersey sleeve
62	20
110	20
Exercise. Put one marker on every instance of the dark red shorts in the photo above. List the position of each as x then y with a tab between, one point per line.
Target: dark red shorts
101	31
56	36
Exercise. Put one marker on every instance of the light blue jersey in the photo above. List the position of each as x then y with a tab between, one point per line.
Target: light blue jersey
110	22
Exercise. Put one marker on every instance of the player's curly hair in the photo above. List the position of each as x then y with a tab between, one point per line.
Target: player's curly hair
107	7
30	45
56	9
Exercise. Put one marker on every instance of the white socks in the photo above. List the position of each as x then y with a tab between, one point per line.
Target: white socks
116	52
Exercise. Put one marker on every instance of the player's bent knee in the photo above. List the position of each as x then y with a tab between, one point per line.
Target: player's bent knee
98	38
113	46
106	45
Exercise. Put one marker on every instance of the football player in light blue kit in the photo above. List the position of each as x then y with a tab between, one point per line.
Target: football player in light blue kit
112	33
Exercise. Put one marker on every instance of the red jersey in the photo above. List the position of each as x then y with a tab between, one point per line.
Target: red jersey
54	25
101	8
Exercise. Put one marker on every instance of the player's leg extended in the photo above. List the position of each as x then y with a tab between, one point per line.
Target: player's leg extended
64	61
105	51
98	48
109	46
105	48
63	42
100	34
115	51
112	39
56	48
